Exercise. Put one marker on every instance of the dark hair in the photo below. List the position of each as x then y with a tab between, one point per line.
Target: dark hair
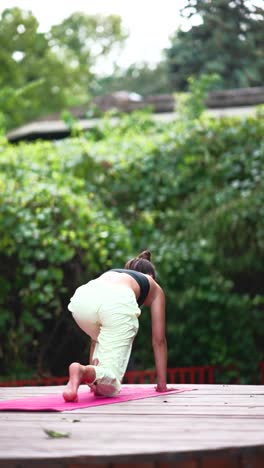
142	263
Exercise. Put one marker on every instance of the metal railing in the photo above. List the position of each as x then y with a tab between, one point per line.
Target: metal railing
210	374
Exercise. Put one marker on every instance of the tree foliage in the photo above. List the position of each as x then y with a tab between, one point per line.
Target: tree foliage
81	40
27	57
228	42
193	194
139	78
60	61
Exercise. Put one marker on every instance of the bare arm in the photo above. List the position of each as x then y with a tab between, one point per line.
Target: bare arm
159	342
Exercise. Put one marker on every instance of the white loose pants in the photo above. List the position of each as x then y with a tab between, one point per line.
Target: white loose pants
108	313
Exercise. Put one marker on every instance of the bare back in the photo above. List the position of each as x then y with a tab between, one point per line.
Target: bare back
126	280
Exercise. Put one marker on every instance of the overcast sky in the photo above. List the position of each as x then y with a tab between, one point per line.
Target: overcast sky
149	22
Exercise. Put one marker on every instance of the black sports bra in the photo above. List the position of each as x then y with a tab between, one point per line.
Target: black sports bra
142	281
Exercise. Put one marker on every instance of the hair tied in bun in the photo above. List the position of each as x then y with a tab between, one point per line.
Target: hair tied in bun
142	264
145	254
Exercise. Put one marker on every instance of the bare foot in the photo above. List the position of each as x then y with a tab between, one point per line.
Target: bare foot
75	378
77	374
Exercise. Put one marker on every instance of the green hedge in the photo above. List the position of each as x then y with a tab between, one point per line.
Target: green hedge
55	234
192	193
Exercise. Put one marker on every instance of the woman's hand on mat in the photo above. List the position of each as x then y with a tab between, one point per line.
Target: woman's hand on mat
164	388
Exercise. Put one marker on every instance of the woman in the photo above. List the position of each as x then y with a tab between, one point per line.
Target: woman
107	309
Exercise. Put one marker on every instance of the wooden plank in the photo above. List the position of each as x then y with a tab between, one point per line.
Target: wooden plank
186	429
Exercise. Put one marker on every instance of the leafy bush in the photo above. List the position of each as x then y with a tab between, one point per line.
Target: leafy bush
193	194
54	235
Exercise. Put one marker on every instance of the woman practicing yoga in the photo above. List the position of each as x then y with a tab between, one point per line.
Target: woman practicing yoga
107	309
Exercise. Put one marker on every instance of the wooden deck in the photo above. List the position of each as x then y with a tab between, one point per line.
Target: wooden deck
214	426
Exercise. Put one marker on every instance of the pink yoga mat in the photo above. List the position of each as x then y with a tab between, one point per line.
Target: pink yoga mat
85	399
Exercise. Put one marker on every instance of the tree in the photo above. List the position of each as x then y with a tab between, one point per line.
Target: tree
138	78
62	59
82	40
26	57
229	42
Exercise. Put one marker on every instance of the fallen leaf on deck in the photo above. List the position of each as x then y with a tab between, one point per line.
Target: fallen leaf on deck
55	434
